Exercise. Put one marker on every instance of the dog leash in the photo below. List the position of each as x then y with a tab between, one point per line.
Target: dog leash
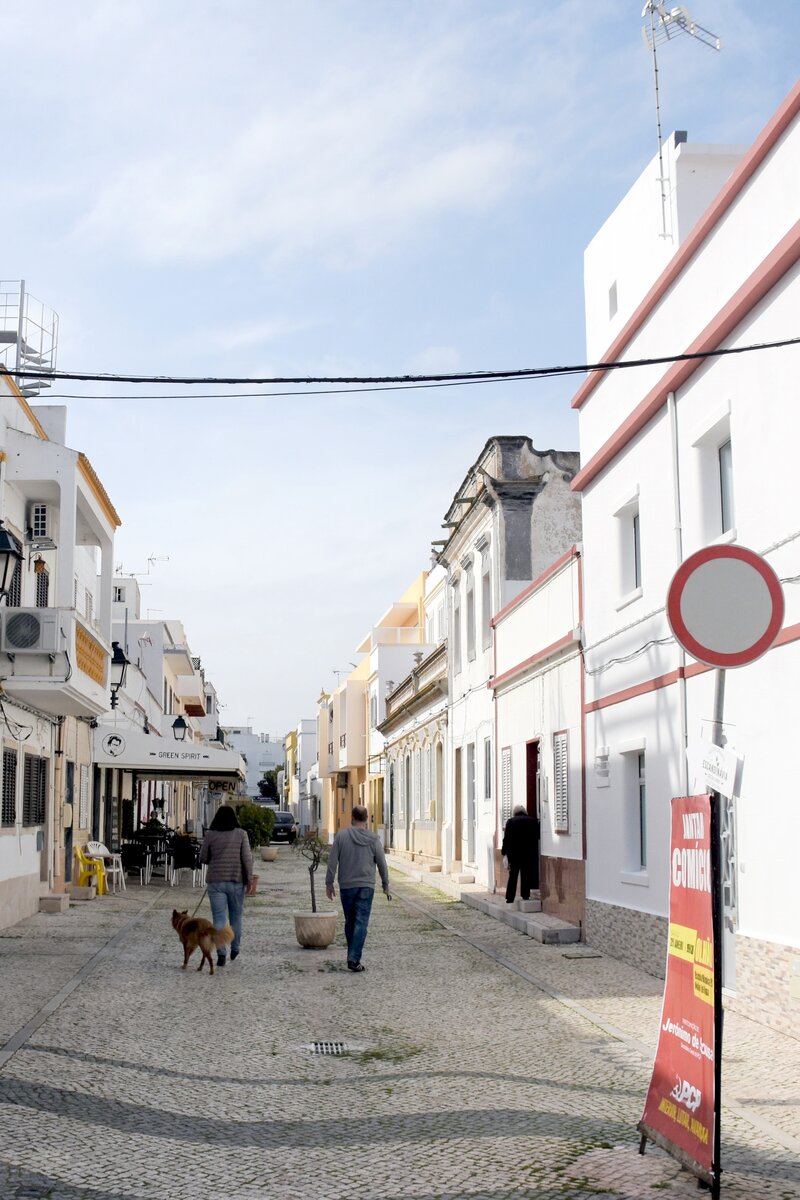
200	901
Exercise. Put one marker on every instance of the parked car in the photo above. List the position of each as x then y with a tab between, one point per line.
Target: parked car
285	829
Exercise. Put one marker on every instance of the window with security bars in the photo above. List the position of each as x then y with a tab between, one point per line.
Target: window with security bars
83	808
14	597
505	784
9	787
561	799
34	790
42	588
39	521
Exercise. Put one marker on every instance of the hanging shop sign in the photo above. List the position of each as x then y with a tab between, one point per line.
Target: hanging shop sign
679	1112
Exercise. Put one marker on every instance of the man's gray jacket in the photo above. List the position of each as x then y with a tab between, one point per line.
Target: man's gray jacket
356	852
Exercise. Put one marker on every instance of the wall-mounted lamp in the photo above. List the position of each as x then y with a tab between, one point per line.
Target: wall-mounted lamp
10	555
39	565
179	728
119	667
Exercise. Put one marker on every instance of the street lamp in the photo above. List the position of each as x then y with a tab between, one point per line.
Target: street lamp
10	555
179	728
119	668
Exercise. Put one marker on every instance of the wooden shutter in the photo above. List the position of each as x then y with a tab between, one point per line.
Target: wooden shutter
561	806
83	809
9	787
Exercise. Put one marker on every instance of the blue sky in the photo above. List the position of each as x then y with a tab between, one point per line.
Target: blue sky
347	186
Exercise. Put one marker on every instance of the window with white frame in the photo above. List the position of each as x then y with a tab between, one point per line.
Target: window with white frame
635	810
505	784
487	768
456	631
486	607
119	595
629	540
470	597
725	462
560	783
373	708
39	521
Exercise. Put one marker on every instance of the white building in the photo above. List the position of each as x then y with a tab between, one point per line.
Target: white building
539	728
55	643
676	456
512	516
262	752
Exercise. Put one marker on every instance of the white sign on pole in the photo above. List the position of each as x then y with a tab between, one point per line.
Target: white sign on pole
717	766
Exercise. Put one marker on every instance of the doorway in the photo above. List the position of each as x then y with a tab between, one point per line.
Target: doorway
532	799
469	832
69	798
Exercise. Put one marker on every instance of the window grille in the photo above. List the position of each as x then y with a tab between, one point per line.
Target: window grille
42	589
34	790
505	784
83	810
9	787
561	813
39	521
14	597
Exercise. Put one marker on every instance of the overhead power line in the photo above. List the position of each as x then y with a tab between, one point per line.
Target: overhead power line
449	378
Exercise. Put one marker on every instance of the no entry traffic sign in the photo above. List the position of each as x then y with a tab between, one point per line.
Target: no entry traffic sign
725	606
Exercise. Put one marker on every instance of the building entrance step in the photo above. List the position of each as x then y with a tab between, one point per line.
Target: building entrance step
552	931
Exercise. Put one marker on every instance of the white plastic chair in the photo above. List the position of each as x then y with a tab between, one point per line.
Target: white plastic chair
112	862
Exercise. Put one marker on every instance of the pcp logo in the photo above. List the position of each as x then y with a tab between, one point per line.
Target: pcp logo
687	1094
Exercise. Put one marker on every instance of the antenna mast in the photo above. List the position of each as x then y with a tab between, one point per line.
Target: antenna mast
662	25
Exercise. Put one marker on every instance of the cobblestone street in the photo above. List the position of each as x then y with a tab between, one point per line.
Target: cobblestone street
480	1063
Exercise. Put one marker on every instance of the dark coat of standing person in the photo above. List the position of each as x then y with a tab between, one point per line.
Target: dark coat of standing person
356	853
521	848
227	852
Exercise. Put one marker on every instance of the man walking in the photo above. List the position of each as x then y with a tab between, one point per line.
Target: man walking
521	848
356	853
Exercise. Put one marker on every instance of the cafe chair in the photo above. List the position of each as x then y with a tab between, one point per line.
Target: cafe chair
185	856
136	858
90	871
112	863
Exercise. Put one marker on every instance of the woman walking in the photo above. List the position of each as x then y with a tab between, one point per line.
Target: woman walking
227	852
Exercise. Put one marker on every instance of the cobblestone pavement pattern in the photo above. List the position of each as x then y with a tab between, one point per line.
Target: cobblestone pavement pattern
464	1080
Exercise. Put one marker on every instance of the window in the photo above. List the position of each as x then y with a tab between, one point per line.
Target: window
612	301
629	540
487	768
119	595
561	806
637	550
209	704
75	593
34	790
470	616
9	815
373	709
505	784
39	521
486	607
725	461
42	586
88	605
456	633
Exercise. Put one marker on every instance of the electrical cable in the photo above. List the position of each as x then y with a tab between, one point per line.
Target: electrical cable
445	378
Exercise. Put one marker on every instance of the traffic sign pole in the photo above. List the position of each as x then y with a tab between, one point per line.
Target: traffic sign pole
716	919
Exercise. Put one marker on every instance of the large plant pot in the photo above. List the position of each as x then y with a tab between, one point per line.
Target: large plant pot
315	930
268	854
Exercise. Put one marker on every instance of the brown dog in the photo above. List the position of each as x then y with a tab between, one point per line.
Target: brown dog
196	931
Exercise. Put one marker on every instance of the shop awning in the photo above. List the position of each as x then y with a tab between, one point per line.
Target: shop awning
163	758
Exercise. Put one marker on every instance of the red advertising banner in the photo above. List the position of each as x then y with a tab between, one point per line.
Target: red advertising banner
679	1110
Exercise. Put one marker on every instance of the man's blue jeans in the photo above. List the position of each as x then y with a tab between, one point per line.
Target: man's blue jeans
357	905
227	900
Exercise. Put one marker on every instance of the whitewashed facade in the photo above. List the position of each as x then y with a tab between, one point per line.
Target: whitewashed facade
538	731
676	457
513	515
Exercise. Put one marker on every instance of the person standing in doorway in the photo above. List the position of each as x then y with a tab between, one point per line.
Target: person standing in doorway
521	848
227	851
356	853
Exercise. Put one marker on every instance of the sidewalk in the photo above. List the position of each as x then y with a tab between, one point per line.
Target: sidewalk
478	1065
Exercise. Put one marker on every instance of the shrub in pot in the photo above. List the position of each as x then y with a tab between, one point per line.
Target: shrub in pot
314	929
258	822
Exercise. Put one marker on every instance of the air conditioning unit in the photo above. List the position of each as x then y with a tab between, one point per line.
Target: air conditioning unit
31	631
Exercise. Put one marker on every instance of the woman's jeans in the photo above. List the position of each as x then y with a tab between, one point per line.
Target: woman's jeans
357	905
227	901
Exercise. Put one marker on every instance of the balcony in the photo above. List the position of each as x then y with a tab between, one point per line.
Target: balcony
53	660
190	690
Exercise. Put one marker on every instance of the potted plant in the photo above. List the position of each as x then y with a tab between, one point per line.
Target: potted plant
258	822
314	929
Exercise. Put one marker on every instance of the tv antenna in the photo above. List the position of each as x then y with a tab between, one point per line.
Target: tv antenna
661	25
151	558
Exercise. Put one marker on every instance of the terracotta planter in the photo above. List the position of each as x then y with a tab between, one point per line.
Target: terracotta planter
268	854
315	930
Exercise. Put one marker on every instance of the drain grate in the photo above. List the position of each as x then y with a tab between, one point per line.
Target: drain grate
329	1047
